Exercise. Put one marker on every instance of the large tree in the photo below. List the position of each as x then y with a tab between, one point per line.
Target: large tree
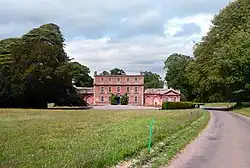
80	75
152	80
177	75
39	69
222	63
5	65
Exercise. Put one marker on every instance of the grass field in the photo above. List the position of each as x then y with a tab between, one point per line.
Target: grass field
90	138
243	111
219	104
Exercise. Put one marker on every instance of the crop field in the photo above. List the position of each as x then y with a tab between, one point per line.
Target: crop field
87	138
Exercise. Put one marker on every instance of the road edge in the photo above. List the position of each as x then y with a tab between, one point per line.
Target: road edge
192	142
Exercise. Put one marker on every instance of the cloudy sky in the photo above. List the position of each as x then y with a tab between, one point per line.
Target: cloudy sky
134	35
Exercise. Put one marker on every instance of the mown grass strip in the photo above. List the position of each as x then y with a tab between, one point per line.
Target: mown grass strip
243	111
164	151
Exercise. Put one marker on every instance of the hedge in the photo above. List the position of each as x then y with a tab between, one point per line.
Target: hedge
242	105
178	105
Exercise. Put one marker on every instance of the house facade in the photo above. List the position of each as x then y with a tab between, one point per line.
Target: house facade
133	85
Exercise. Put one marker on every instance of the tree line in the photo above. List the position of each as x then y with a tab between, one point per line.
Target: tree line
220	67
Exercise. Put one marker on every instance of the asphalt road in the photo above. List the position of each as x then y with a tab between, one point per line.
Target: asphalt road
225	143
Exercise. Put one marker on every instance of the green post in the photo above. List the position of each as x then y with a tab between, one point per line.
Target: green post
150	134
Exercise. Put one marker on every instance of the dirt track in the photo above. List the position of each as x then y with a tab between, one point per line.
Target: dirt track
225	143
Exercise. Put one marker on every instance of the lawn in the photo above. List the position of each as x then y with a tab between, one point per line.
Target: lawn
219	104
88	138
243	111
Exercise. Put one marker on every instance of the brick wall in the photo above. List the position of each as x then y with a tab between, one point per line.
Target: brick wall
104	86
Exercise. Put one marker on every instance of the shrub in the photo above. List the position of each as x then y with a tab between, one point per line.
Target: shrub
71	100
124	99
114	100
178	105
241	105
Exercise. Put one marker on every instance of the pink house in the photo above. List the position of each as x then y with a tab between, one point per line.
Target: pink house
133	85
155	97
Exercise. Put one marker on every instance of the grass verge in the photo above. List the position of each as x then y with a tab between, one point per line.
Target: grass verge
90	138
219	104
165	150
243	111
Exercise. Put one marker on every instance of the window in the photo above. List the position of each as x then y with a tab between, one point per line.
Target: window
101	79
127	79
128	90
118	79
110	89
102	89
136	79
109	99
118	89
102	99
136	98
136	89
109	79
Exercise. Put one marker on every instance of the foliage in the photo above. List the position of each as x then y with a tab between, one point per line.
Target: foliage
117	71
177	76
105	73
85	138
114	100
5	65
222	57
80	75
152	80
177	105
241	105
38	72
124	99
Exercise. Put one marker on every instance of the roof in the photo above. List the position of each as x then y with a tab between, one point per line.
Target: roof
118	75
160	91
85	89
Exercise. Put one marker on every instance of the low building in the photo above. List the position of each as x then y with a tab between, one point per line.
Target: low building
133	85
155	97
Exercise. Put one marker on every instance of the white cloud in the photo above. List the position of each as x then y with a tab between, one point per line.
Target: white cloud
175	24
134	35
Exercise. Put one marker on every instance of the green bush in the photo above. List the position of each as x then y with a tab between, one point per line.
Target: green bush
124	99
178	105
114	100
242	105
